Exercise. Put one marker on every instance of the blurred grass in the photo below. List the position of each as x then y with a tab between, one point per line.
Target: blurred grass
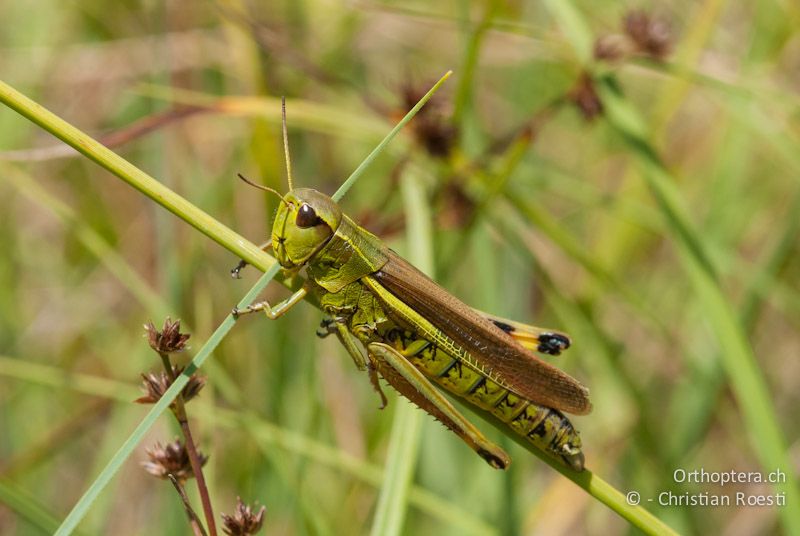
576	243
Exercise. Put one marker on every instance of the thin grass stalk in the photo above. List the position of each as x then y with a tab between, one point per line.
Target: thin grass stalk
354	176
588	481
135	177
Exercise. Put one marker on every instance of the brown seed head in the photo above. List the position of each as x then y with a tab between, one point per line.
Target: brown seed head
650	35
155	384
169	339
244	521
431	126
171	459
611	48
585	97
457	207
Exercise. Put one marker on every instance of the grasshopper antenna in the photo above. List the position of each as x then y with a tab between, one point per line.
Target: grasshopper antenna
262	187
239	267
286	145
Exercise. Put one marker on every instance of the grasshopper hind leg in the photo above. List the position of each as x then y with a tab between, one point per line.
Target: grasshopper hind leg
412	384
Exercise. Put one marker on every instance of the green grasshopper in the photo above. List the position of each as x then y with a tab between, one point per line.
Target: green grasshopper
416	334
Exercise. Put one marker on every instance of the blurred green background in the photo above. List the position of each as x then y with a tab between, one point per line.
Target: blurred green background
629	177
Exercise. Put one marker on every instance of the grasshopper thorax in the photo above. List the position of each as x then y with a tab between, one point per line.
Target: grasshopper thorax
306	220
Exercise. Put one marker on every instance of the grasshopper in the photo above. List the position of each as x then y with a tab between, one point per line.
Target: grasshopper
398	324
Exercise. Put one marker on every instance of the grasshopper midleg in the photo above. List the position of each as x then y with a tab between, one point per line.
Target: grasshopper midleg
350	343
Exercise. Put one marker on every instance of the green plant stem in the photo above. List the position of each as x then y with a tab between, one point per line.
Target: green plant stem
137	178
267	434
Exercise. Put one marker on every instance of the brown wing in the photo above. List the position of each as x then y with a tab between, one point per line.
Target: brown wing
493	349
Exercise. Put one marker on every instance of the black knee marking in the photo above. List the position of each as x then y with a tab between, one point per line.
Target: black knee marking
492	459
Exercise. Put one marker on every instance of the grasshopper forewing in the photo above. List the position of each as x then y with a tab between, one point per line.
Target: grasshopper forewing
488	349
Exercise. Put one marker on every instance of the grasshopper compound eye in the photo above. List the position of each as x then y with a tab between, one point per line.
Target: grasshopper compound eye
306	217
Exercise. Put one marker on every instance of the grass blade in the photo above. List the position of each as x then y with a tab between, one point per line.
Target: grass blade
135	177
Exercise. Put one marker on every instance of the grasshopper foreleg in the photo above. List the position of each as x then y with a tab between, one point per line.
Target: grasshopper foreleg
273	312
350	344
412	384
235	273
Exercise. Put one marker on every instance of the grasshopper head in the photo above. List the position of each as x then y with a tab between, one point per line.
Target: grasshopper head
305	221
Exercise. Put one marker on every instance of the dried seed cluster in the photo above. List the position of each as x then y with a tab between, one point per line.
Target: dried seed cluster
170	459
244	520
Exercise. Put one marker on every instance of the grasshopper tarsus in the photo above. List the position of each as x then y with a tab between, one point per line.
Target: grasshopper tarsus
236	272
373	378
326	327
252	308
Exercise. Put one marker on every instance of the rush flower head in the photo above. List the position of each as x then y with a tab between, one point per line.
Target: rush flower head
169	339
244	521
155	384
651	35
584	96
170	459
